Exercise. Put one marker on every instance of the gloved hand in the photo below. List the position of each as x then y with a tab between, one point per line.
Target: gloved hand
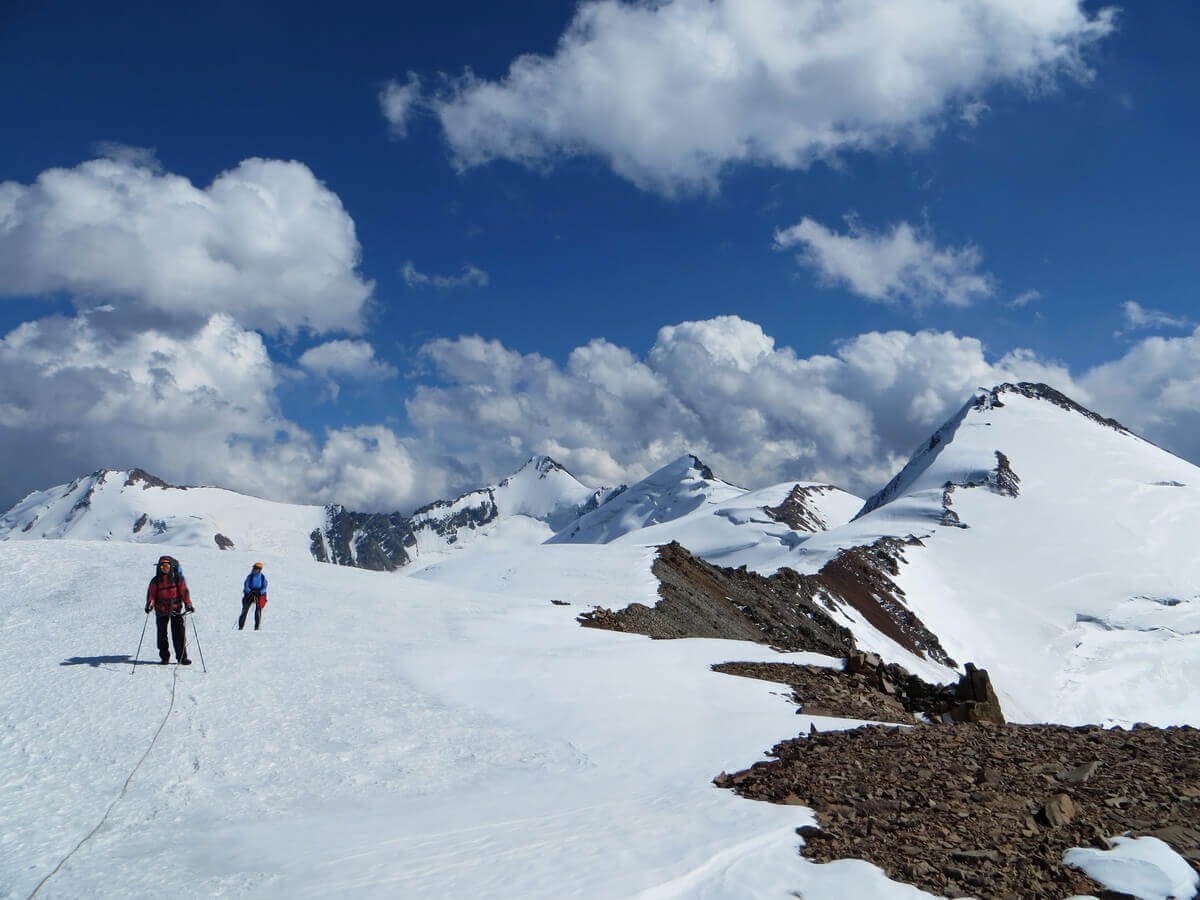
147	609
189	611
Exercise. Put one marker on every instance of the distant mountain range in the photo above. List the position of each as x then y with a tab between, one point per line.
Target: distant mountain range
540	502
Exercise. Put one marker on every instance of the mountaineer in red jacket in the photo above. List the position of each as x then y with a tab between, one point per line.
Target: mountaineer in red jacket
170	599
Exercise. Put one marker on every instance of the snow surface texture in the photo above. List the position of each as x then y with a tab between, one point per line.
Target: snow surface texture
381	736
1144	867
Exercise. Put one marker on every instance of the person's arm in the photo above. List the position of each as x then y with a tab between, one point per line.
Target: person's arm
185	595
150	595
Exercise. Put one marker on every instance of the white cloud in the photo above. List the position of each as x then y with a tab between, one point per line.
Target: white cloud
397	103
973	112
1155	390
1025	298
266	243
351	359
1138	317
340	360
900	265
721	388
203	407
471	276
669	92
196	408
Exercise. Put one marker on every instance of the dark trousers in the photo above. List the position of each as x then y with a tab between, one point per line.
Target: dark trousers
248	600
178	634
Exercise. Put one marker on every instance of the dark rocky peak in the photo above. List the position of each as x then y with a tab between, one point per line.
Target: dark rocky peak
705	471
797	511
146	480
994	399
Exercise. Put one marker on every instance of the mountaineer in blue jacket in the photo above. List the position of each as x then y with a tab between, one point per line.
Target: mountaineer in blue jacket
254	590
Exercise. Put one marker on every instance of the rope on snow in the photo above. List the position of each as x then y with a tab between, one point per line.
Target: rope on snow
124	788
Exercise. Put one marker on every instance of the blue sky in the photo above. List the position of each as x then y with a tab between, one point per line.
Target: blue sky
845	216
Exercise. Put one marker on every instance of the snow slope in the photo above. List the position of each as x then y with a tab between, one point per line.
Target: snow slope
1076	584
747	528
136	507
381	736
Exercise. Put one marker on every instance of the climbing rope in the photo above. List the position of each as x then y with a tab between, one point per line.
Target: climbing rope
124	788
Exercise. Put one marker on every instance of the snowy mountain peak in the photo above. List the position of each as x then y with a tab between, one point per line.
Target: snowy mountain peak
542	466
1012	412
680	487
994	399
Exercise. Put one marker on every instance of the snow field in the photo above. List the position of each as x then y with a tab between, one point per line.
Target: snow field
382	736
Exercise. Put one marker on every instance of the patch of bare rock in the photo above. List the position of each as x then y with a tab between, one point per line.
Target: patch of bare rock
787	610
979	809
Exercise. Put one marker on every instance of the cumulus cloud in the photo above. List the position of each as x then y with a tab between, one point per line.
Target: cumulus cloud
720	388
266	243
351	359
1155	390
397	103
902	264
1138	317
669	92
201	407
470	276
340	360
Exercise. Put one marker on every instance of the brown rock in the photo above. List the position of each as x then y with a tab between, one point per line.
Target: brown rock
1058	810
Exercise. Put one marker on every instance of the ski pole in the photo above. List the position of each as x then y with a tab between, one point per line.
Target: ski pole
133	665
196	634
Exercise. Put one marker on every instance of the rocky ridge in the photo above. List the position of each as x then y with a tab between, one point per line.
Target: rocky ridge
978	809
787	610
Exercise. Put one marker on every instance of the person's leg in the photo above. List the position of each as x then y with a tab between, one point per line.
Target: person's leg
164	649
258	607
179	634
247	599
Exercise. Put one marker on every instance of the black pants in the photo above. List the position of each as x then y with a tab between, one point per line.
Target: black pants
247	601
178	634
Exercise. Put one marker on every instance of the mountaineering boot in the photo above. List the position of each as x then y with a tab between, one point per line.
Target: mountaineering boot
185	662
164	660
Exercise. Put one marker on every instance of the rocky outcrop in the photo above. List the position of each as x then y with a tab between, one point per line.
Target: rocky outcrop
378	541
984	810
699	599
797	511
867	688
789	611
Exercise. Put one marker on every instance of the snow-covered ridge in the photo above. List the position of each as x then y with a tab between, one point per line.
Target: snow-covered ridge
677	489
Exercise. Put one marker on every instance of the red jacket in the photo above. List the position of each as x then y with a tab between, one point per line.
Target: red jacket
167	595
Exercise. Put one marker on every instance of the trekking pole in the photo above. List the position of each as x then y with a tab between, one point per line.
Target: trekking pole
133	665
196	634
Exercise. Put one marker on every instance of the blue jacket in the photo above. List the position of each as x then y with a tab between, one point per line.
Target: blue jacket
255	581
